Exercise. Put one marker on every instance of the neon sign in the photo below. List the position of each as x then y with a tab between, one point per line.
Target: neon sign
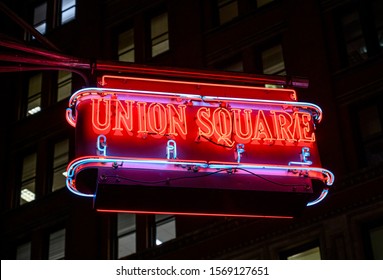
177	136
222	125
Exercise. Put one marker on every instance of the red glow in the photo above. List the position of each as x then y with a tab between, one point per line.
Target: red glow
113	117
197	137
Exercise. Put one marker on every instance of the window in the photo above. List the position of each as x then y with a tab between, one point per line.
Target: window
34	94
261	3
64	85
23	251
376	239
371	132
126	234
165	228
310	254
307	251
68	10
362	30
57	245
27	191
126	46
352	32
377	7
272	61
40	18
159	33
60	160
228	10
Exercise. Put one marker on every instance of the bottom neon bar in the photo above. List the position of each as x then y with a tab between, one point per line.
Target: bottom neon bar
197	187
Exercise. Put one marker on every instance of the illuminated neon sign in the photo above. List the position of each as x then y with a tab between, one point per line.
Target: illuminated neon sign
179	135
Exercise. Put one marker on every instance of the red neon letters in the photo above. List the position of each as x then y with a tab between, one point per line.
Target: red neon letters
223	126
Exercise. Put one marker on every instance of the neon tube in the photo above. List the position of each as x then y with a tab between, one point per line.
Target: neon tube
97	91
287	170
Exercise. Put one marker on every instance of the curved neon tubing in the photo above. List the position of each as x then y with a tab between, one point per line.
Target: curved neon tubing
93	161
319	199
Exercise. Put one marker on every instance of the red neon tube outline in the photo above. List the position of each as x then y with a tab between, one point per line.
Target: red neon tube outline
95	92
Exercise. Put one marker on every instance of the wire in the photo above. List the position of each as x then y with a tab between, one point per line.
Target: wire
166	180
271	181
231	170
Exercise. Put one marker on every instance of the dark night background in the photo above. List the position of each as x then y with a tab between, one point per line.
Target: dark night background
337	46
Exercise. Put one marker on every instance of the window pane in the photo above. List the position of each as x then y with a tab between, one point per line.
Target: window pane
228	10
40	13
126	232
40	17
311	254
126	46
371	132
165	228
378	16
34	94
376	237
261	3
126	245
369	122
273	62
64	84
23	251
159	34
66	4
27	192
60	160
57	245
68	10
352	32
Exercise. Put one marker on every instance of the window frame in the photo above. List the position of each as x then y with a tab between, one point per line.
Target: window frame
368	27
128	27
54	169
150	38
61	12
360	142
132	231
21	182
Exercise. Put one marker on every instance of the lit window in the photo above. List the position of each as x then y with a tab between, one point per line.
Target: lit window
64	85
126	234
34	94
40	18
228	10
126	46
261	3
310	254
68	10
376	238
27	191
23	251
273	62
353	36
159	34
165	228
60	160
57	245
